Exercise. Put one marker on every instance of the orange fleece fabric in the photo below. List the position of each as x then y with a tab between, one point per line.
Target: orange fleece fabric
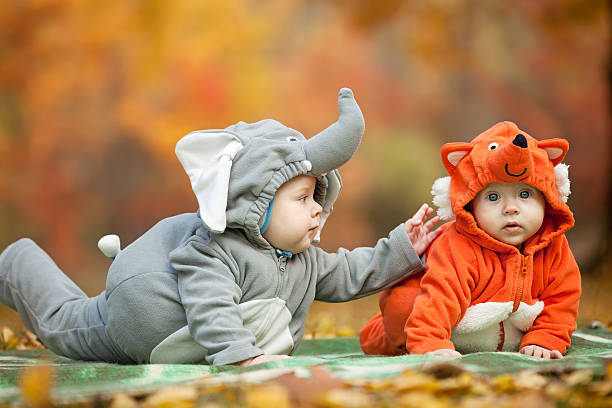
478	293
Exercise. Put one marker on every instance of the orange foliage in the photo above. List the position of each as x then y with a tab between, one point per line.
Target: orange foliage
94	95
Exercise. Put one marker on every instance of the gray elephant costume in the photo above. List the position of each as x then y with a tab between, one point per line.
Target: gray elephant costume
207	287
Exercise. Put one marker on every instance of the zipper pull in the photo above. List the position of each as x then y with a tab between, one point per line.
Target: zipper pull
283	263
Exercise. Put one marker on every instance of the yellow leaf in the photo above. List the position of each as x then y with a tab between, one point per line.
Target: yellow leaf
341	398
528	380
267	396
179	397
123	401
345	331
35	384
422	399
7	334
503	383
578	377
411	380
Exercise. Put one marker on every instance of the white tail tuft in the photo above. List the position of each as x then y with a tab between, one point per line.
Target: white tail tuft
110	245
441	197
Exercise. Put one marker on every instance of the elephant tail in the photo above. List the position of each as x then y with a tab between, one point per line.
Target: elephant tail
110	245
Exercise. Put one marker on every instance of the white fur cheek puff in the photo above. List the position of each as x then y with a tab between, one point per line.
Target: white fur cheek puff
441	197
562	180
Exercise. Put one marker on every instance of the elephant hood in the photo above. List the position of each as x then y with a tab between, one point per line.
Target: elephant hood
505	154
235	172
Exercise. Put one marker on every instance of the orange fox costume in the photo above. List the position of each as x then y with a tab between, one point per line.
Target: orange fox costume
477	293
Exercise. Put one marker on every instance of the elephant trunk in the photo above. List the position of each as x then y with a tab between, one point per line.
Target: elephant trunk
335	145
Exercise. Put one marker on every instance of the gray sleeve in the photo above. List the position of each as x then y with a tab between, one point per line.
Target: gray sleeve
348	275
210	295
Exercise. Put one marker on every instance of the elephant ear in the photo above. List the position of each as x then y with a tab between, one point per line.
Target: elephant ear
452	153
206	156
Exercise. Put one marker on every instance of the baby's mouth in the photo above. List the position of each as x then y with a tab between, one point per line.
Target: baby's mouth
512	227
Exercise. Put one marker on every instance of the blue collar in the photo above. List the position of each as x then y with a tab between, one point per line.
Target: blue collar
280	252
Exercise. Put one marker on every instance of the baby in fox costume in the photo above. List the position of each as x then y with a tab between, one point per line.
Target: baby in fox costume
501	276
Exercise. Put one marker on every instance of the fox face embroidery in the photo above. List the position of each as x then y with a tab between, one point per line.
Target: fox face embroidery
505	154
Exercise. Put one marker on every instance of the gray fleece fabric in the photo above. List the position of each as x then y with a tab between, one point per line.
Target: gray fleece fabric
206	287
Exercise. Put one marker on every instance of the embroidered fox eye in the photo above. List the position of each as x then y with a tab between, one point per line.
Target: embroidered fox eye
493	146
492	197
524	194
291	139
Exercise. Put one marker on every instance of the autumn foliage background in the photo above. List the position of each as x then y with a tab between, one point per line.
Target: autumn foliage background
94	95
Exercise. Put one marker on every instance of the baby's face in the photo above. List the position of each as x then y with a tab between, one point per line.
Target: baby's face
509	212
295	215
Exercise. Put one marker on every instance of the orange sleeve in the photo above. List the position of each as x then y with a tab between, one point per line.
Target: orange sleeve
553	328
445	295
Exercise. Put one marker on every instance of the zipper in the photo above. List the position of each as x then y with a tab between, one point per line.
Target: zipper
281	261
520	283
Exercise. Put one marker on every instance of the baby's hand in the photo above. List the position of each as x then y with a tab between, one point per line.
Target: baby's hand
264	358
419	231
444	353
541	352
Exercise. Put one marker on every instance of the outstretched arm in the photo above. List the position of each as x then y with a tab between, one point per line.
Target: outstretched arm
419	231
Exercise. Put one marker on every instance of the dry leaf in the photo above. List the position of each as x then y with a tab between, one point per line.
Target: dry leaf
578	378
345	398
528	380
267	396
180	397
123	401
421	400
503	383
412	381
306	390
35	383
443	369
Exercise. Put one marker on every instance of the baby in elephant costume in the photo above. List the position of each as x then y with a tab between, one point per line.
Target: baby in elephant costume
232	283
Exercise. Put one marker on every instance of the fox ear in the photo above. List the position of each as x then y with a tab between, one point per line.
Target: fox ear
452	153
555	148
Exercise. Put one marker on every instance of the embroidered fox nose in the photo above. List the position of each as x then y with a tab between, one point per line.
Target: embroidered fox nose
520	141
512	161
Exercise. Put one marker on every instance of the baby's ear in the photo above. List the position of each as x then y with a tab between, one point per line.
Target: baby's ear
452	153
555	148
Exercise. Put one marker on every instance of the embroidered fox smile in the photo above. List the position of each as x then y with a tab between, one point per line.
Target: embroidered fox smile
514	175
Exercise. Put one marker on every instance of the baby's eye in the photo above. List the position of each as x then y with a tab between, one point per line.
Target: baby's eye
524	194
492	196
493	146
303	199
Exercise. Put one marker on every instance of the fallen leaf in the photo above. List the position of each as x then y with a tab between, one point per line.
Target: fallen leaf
578	378
123	401
343	398
180	397
35	384
267	396
529	380
306	390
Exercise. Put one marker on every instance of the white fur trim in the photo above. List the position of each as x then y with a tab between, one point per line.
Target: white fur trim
441	197
479	328
562	180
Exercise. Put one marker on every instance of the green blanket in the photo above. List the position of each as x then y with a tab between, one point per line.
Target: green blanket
342	357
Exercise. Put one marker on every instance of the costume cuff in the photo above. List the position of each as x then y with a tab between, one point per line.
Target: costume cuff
401	242
234	354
